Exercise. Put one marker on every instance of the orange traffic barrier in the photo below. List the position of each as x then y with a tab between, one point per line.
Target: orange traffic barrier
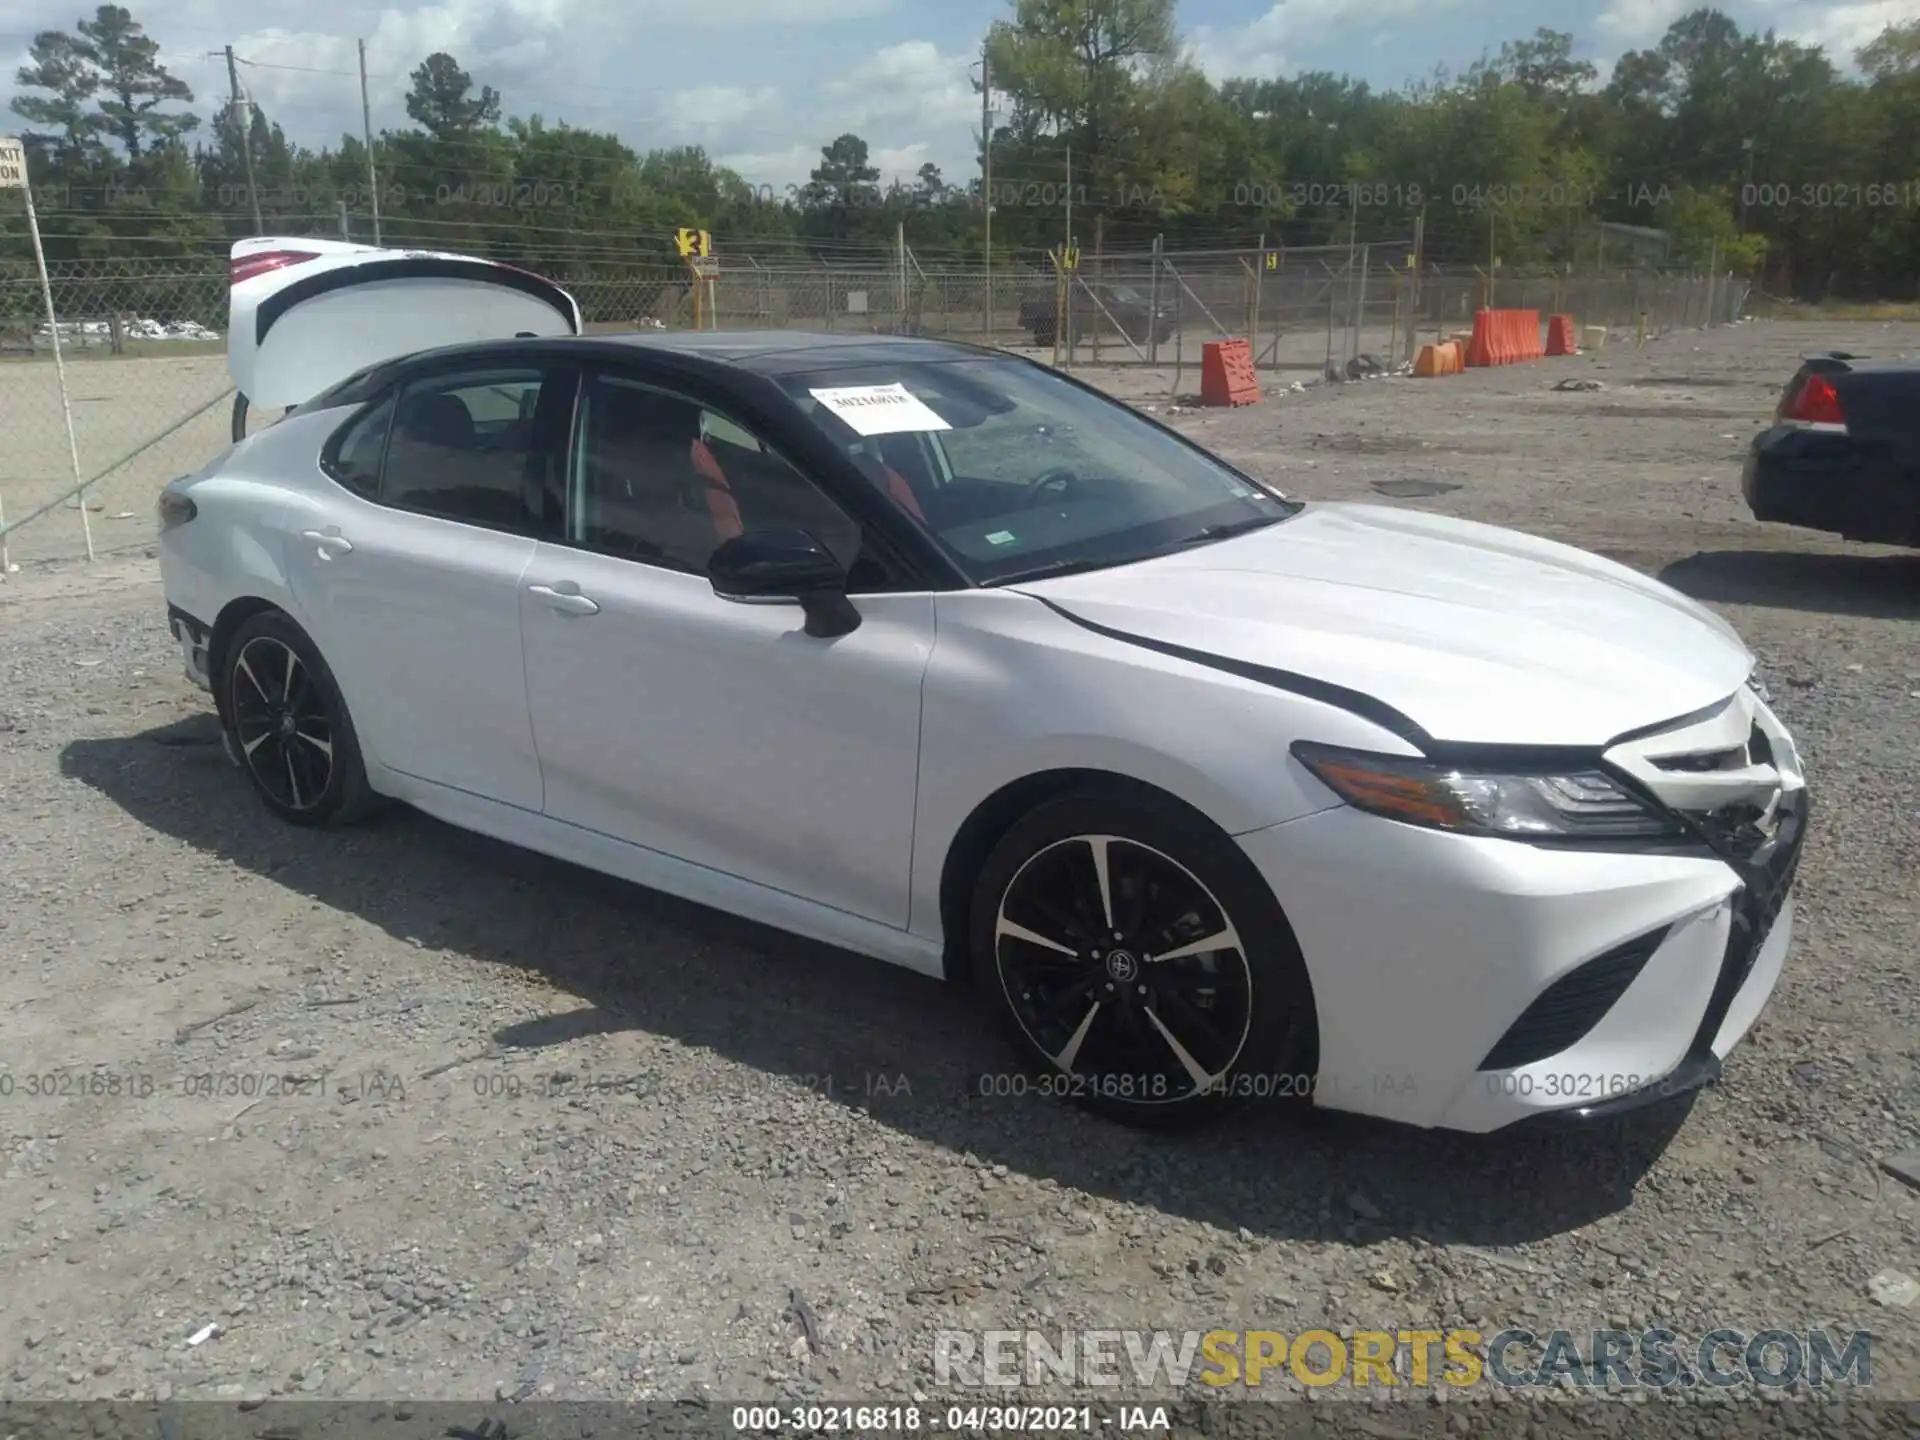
1504	337
1560	339
1439	360
1226	373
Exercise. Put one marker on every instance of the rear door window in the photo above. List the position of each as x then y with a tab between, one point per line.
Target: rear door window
356	458
463	448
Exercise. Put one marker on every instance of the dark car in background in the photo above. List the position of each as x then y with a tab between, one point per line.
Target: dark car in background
1102	307
1843	452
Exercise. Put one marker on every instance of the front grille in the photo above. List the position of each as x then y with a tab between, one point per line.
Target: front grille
1564	1013
1766	870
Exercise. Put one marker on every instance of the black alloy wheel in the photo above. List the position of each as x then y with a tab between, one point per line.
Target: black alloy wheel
288	727
1141	962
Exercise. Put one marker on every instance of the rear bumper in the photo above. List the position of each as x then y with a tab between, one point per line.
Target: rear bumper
193	637
1821	480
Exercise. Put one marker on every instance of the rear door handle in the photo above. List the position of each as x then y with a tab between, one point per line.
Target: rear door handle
329	542
568	601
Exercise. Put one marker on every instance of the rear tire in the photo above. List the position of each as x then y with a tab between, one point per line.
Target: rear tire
288	726
1089	930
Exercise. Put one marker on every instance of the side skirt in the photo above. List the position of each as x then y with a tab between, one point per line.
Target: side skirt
640	866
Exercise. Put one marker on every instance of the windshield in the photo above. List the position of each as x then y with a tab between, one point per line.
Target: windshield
1017	471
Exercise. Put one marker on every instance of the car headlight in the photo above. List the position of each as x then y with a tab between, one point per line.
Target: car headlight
1507	802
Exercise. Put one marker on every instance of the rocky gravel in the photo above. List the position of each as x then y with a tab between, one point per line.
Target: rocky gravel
401	1113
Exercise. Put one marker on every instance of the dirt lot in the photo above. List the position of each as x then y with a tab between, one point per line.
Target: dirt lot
550	1135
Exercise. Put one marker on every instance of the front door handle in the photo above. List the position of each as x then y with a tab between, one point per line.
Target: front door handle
329	541
567	600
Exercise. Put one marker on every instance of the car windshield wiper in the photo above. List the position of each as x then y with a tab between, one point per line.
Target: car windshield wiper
1107	562
1226	531
1077	567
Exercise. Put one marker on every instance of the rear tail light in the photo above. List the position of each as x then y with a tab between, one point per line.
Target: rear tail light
1816	403
175	509
245	267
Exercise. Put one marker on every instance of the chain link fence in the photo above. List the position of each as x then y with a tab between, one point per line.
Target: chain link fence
147	386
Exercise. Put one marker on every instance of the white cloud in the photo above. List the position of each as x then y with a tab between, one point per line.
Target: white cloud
1271	44
909	101
911	81
724	105
1636	22
1840	29
780	172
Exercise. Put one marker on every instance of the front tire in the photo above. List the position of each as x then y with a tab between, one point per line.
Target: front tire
1140	964
288	726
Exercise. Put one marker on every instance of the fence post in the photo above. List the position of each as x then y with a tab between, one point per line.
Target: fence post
1179	332
1099	272
59	361
1153	305
1413	283
1393	332
1333	307
1360	307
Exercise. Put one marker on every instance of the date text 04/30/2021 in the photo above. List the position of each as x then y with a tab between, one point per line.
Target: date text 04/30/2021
878	1420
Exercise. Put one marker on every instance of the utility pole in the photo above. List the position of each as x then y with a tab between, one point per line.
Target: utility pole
986	180
244	121
366	135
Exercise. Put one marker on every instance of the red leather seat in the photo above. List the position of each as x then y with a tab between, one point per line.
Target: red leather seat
902	493
721	505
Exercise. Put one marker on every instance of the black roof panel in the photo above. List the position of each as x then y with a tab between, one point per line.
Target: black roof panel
783	352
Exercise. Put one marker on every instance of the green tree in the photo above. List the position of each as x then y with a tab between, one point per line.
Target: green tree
841	198
442	101
61	67
1082	75
133	84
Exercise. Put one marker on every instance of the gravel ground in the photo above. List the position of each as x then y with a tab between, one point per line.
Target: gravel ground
410	1114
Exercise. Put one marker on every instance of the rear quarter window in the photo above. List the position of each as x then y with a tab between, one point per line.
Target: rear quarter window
357	454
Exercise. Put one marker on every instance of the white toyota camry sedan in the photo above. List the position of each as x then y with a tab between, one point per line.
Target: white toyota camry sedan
943	657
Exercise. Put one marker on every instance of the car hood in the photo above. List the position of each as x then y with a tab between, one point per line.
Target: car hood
1475	633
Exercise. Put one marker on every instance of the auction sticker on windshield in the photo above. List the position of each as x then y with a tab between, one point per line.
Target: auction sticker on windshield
879	409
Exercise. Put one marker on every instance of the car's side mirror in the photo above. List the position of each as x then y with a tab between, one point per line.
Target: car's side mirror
778	567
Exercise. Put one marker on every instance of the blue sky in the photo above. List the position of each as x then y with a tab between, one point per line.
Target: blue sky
764	83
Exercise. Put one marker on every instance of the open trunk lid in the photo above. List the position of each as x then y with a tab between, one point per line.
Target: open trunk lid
304	314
